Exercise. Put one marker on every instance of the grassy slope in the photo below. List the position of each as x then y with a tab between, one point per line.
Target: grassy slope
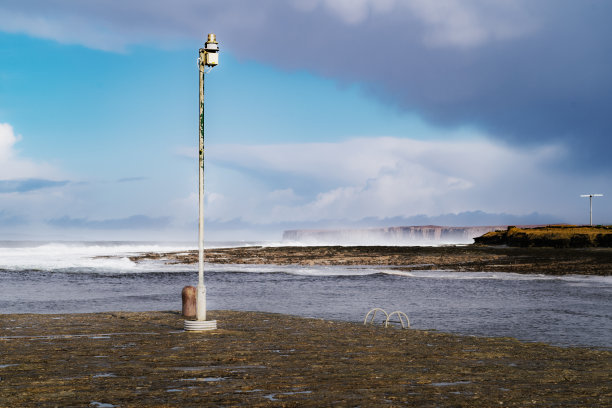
558	236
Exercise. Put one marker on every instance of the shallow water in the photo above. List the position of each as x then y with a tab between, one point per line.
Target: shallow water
570	310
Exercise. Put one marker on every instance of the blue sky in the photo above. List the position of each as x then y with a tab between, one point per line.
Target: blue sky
320	114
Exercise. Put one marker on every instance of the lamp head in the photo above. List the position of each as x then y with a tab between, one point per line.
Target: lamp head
211	51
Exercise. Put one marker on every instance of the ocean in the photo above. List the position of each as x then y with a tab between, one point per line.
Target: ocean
79	277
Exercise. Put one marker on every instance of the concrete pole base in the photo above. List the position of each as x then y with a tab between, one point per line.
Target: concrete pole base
200	325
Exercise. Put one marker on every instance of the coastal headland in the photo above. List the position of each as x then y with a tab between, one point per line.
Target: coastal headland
403	235
556	236
468	258
261	359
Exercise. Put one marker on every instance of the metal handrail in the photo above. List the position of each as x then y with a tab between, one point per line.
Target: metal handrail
400	315
401	320
374	311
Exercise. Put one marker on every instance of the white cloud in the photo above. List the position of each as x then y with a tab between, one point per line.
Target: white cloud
113	26
13	165
7	141
461	23
63	28
359	159
349	11
36	189
384	177
452	23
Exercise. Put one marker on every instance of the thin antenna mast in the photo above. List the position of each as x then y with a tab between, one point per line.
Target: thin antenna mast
591	205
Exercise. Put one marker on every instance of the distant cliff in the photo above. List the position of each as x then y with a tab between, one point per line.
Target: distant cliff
557	236
413	235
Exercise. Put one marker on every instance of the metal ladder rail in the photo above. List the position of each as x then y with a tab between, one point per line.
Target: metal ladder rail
373	312
401	316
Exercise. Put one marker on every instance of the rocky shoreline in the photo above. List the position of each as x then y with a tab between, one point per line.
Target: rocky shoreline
468	258
262	359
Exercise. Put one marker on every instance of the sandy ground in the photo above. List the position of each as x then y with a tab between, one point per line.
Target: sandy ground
552	261
259	359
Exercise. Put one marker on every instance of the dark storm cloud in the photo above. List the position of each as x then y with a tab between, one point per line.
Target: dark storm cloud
526	72
549	83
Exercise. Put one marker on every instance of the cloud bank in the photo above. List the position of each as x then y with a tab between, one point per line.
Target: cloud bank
534	77
138	222
525	72
386	177
35	195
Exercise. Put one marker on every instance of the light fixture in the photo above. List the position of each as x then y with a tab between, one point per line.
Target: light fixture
211	51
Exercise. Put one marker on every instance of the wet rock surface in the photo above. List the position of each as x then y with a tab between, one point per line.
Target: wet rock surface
469	258
261	359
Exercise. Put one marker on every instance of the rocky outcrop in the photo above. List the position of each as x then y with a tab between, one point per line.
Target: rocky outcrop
556	236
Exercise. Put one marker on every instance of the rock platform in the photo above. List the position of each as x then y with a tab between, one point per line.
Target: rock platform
131	359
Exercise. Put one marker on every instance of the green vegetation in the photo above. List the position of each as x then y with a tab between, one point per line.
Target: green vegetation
557	236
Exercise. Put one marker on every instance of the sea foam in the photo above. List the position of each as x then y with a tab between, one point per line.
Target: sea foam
114	257
78	256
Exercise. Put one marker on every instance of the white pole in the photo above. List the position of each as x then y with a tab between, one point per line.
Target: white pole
201	289
208	57
591	205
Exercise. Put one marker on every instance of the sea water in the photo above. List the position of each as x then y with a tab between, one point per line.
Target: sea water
37	277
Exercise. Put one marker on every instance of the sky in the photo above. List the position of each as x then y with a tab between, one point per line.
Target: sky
320	114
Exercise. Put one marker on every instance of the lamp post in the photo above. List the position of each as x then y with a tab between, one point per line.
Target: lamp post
591	205
207	59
